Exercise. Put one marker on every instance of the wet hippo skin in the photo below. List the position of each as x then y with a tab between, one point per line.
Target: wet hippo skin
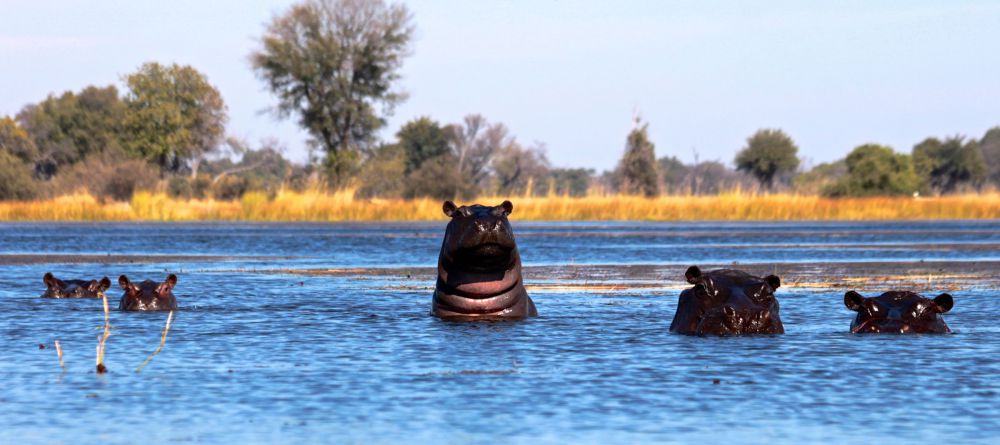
56	288
899	312
148	295
727	302
479	268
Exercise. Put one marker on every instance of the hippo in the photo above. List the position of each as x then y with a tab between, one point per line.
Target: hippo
727	302
57	288
148	295
479	268
899	312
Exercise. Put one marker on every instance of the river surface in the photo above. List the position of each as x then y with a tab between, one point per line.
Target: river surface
296	333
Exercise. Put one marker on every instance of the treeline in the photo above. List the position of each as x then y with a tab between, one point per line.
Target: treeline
332	65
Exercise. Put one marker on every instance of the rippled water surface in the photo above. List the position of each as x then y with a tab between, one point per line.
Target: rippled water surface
321	333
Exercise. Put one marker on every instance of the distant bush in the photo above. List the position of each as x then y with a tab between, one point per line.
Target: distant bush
876	170
228	188
128	177
15	178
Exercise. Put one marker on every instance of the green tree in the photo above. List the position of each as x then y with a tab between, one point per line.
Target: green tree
15	178
384	173
876	170
673	174
333	63
175	116
949	165
421	139
67	128
989	145
636	171
570	181
768	155
824	175
15	140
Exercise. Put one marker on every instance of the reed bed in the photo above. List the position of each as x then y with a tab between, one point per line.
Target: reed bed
343	206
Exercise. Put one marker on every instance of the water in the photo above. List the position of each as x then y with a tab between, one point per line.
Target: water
259	354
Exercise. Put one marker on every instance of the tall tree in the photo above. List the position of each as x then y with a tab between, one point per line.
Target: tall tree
333	63
636	171
474	143
989	145
876	170
421	139
175	116
516	169
69	127
949	165
769	154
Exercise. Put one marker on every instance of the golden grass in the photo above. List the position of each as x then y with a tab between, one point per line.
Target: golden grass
343	206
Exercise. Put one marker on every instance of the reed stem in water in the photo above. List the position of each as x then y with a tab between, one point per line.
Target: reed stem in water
163	341
60	354
101	369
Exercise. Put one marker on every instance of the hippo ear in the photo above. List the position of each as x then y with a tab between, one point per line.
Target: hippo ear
773	281
853	300
167	285
944	302
693	275
508	207
50	280
449	208
104	285
124	282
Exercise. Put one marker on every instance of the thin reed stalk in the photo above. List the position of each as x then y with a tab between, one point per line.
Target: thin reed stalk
59	353
101	369
163	340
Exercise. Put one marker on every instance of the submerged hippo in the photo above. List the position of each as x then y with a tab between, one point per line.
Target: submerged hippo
899	312
727	302
479	269
57	288
148	295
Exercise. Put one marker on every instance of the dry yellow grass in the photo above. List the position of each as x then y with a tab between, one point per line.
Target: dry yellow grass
342	206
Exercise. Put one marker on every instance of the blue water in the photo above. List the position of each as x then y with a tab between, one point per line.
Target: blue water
261	355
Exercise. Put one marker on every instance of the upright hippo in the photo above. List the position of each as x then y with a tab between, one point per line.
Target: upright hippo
479	269
148	295
899	312
56	288
727	302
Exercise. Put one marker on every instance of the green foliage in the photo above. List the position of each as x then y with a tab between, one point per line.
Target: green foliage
570	181
15	178
16	141
636	172
70	127
820	177
768	155
673	175
949	165
421	139
989	145
436	178
384	173
876	170
332	63
174	115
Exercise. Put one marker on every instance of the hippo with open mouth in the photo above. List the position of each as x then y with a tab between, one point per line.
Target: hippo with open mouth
727	302
899	312
148	295
479	268
57	288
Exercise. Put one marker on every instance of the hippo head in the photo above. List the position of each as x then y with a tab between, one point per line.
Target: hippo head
57	288
479	238
148	295
728	302
899	312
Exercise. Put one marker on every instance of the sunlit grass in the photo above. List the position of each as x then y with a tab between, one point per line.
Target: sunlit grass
343	206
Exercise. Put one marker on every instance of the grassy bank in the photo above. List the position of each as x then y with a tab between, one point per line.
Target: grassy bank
342	206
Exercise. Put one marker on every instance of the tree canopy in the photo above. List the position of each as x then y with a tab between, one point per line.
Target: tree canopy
636	171
174	115
950	164
768	155
876	170
333	63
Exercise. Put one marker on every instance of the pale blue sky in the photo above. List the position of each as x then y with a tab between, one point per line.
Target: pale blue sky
704	74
